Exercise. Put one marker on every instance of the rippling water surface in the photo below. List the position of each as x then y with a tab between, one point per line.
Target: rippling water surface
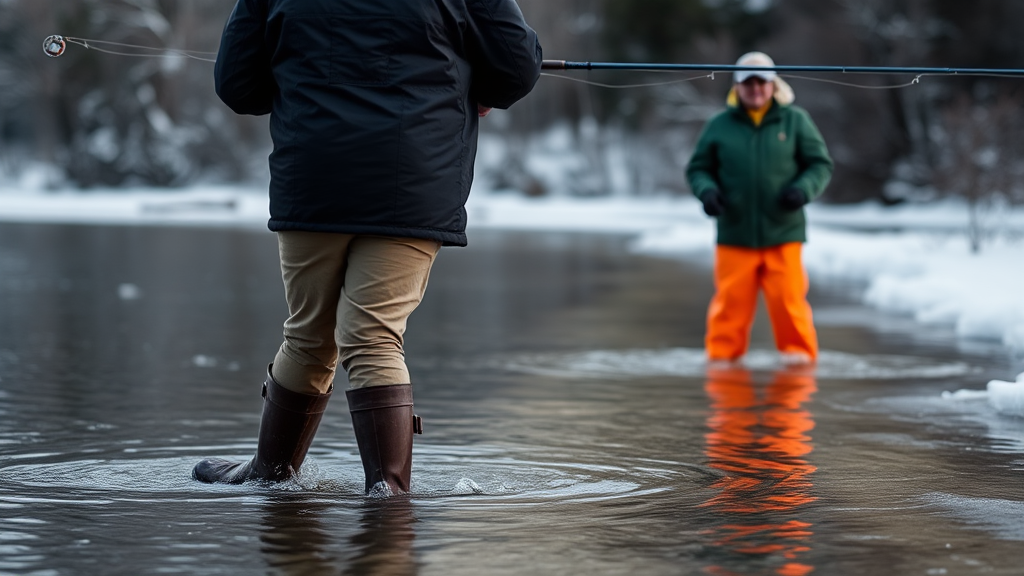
571	425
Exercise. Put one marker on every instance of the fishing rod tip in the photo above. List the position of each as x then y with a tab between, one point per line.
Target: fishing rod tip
54	45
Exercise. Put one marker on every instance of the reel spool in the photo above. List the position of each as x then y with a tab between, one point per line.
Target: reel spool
54	46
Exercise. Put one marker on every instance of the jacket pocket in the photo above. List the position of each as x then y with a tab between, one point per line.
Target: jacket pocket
361	50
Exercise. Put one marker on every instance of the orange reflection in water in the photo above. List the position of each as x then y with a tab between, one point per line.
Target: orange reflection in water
759	437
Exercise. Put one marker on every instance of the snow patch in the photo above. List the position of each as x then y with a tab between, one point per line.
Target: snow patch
1007	397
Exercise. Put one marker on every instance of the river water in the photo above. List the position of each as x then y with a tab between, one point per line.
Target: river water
571	425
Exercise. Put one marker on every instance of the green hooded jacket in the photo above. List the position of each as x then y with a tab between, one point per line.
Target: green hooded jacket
751	166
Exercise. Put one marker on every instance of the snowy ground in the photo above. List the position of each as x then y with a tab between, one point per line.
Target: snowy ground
912	260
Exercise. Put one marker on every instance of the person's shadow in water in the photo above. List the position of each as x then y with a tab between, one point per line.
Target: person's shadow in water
759	437
297	541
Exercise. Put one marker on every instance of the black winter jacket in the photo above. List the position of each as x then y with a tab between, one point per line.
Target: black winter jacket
374	105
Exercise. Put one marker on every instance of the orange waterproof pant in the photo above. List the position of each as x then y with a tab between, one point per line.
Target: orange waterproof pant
739	274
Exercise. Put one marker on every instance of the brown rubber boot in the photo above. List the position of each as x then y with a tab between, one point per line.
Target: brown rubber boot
384	423
287	428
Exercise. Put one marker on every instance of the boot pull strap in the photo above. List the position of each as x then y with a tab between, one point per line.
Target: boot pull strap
417	424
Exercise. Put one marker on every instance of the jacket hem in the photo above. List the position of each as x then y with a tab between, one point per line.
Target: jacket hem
445	237
757	246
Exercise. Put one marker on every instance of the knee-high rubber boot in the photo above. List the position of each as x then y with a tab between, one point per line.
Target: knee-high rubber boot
384	423
287	427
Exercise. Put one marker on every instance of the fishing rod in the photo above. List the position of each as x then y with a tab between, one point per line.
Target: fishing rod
55	45
712	68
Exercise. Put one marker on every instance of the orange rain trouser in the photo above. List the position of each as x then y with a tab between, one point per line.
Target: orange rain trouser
739	273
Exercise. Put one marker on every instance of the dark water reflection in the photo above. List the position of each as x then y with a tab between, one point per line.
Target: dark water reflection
297	537
384	543
571	424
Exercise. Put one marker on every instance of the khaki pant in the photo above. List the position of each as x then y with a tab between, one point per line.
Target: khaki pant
349	297
739	274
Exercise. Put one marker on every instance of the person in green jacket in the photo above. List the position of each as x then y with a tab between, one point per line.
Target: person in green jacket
754	168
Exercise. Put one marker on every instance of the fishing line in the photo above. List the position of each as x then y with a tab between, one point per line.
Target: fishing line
624	86
55	45
916	80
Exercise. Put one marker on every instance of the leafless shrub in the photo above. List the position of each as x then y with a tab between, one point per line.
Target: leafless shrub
981	159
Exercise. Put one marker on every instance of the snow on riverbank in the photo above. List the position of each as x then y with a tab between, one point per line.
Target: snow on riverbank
216	206
1006	397
911	260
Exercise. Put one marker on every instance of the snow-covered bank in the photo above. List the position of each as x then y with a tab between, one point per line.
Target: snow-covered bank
618	215
1006	397
213	205
912	260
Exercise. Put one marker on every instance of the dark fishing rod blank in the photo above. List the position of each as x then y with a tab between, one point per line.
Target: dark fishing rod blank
663	67
55	45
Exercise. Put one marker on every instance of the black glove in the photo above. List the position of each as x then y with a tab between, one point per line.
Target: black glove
714	202
792	199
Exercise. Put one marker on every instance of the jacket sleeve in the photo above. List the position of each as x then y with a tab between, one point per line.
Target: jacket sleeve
703	165
813	158
503	51
242	74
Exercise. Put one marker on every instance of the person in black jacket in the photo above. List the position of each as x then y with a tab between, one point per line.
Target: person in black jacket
374	111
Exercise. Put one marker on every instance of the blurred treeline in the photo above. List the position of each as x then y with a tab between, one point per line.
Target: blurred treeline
109	120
